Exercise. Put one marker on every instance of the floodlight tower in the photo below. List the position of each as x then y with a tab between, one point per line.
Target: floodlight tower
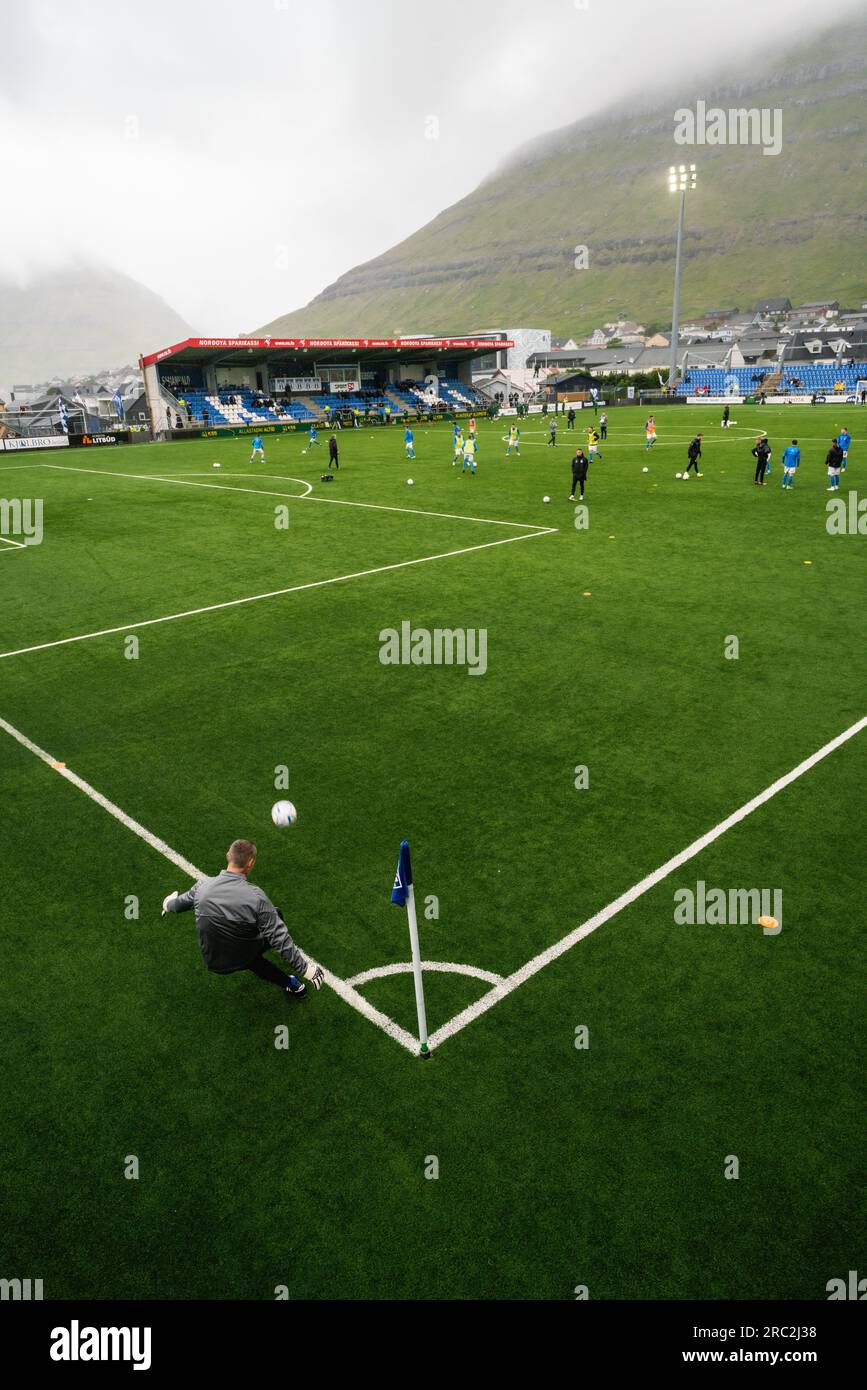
681	178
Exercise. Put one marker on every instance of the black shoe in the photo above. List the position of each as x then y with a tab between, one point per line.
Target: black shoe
296	987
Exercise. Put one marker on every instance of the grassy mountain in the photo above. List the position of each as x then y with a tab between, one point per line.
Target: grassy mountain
758	225
79	320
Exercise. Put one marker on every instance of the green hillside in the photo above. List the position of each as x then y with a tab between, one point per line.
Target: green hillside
792	224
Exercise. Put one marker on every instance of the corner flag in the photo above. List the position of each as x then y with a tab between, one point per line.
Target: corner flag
403	877
403	896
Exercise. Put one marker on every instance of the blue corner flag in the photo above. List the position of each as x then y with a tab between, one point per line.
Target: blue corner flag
403	895
403	877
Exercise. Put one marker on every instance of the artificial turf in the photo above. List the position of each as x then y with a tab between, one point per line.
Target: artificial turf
305	1166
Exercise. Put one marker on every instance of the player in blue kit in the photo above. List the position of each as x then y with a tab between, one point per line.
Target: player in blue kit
257	449
790	461
408	443
314	438
844	439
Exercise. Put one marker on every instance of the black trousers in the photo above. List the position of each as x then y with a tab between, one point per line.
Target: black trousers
332	459
603	431
761	464
577	482
267	970
693	463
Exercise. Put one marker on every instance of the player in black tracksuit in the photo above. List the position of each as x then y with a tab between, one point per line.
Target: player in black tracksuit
694	454
761	453
580	465
333	460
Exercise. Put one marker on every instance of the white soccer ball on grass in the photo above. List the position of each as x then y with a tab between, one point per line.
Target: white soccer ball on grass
283	814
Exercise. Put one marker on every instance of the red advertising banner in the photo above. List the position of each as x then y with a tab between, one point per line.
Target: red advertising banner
330	345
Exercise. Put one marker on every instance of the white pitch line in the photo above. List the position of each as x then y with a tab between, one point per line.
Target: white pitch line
18	545
415	511
224	473
444	967
532	967
274	593
260	492
178	482
341	987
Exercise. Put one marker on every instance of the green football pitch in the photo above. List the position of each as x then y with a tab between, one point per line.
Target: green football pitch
653	1109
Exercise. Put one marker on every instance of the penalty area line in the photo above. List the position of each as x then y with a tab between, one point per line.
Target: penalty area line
532	967
179	480
274	593
343	988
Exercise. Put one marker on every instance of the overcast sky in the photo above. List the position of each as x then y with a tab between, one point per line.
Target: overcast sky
238	155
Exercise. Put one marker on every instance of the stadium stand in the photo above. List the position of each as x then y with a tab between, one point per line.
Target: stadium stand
459	394
797	378
242	409
452	393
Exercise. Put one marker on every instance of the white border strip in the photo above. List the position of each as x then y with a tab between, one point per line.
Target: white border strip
532	967
343	988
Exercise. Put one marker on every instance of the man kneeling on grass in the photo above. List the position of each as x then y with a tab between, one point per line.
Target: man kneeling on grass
236	923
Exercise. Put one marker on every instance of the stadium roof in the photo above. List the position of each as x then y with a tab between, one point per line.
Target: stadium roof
237	351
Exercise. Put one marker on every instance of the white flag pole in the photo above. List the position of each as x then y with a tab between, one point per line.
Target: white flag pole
416	970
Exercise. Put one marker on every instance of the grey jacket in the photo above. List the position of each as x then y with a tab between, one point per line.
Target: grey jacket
236	922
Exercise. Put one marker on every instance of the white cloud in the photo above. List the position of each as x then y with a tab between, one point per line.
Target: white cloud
238	156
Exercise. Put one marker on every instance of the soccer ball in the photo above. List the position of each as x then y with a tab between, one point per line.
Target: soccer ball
686	477
304	451
678	475
645	470
283	814
409	482
216	465
546	499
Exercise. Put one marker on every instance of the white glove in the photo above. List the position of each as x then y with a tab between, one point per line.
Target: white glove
171	897
315	974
